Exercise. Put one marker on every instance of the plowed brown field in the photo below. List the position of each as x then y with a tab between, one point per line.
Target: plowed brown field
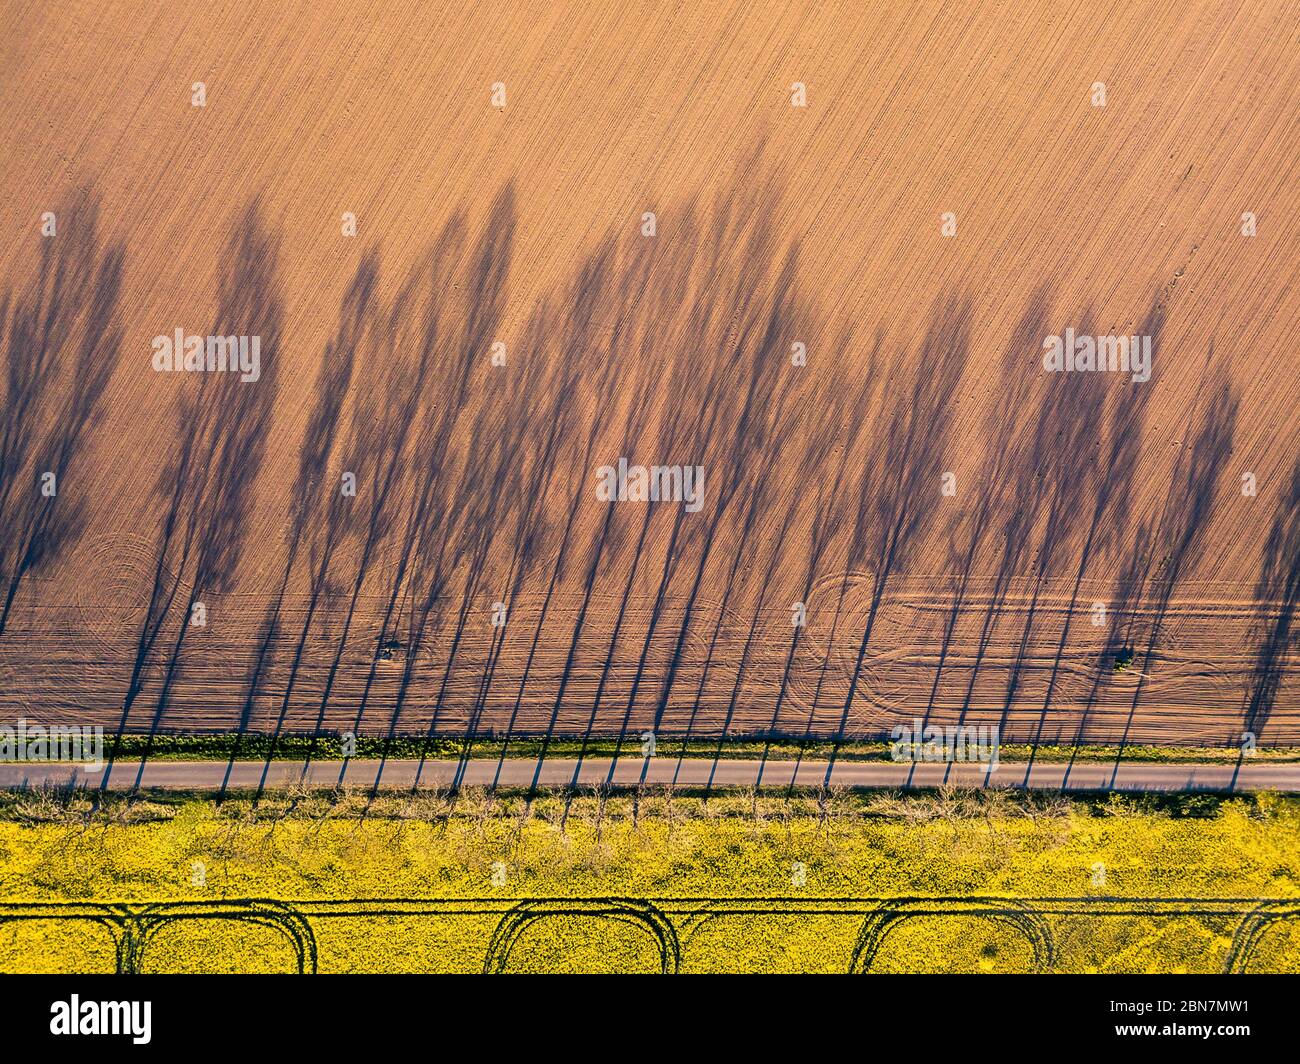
971	537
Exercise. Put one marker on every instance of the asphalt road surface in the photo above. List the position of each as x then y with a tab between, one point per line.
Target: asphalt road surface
629	772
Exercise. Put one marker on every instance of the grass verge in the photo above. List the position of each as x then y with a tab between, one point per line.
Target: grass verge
330	748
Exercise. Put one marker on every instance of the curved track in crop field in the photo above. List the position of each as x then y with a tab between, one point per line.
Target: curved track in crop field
673	924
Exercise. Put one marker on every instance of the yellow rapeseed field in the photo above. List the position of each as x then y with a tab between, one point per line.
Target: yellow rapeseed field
624	884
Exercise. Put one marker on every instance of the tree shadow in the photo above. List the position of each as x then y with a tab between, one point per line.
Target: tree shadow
207	485
61	335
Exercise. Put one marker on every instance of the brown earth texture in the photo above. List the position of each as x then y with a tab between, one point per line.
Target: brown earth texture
803	260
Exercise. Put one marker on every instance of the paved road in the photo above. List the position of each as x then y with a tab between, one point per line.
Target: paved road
208	775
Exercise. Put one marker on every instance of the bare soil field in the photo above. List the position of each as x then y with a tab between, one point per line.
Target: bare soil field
489	250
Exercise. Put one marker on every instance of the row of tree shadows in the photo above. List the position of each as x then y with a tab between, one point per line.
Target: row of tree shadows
475	486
